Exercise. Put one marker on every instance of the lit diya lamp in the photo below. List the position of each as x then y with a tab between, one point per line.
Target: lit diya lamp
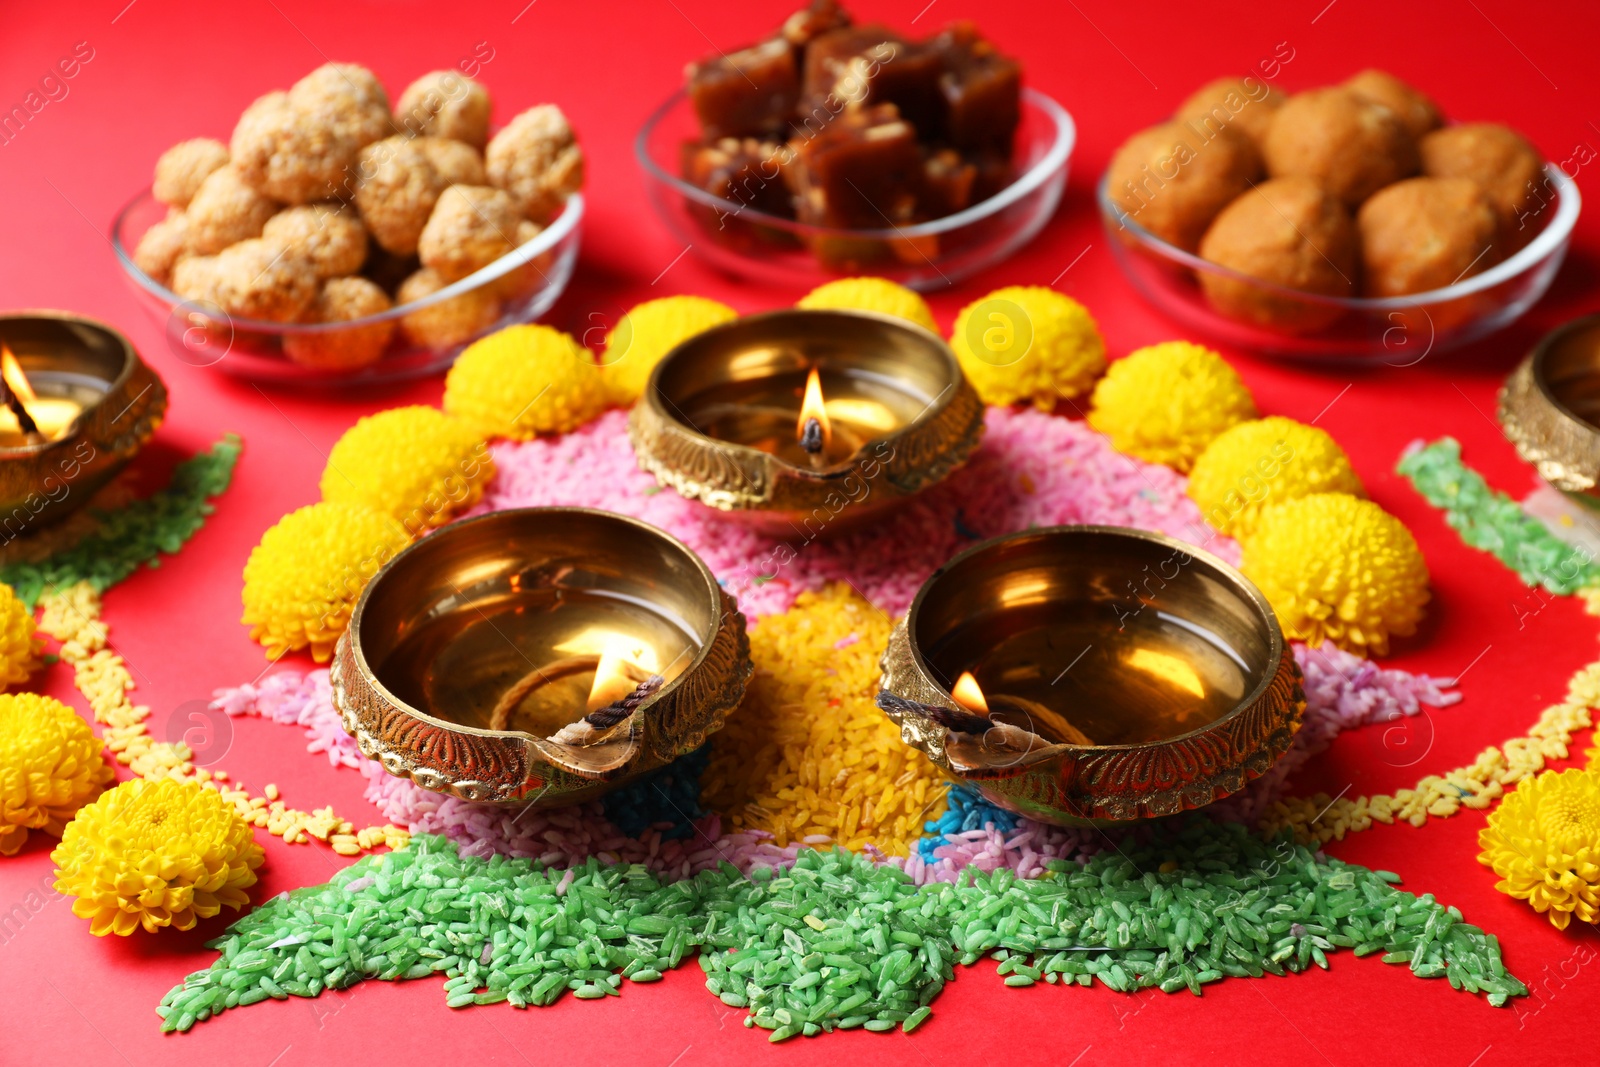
806	420
1550	410
539	655
1089	675
76	404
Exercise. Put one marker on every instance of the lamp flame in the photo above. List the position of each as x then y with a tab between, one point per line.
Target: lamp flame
813	408
11	370
616	675
968	695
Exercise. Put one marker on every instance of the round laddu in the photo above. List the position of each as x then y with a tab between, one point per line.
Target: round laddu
471	227
449	322
343	300
1246	104
182	168
1288	232
224	211
1416	112
1349	144
1172	181
259	279
458	163
161	246
396	188
1508	169
537	160
1424	234
351	95
444	103
330	235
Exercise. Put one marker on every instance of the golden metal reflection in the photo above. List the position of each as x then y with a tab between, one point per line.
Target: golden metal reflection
1549	409
1168	668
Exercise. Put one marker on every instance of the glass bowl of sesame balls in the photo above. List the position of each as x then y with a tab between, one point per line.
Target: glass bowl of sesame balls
338	239
1349	222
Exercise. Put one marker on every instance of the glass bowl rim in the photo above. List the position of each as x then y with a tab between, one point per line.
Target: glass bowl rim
1551	238
553	235
1059	152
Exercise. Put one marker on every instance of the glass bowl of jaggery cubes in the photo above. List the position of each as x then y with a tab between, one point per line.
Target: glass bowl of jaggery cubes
341	239
832	148
1342	222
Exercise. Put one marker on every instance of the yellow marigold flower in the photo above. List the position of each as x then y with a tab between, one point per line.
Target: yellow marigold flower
1338	568
1028	343
416	464
50	766
1268	461
1165	403
524	381
1544	843
872	294
302	580
156	852
19	648
649	331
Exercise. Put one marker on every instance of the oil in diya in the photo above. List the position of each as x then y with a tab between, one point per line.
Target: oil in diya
1093	675
76	404
539	655
805	420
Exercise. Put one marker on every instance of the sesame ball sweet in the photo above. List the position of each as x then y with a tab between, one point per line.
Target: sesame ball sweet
226	210
301	582
1167	402
329	235
154	853
182	168
415	464
444	103
348	95
343	300
457	163
1028	343
537	160
194	278
872	294
162	245
647	332
451	321
50	766
290	153
1338	568
260	279
471	227
523	381
1257	464
396	189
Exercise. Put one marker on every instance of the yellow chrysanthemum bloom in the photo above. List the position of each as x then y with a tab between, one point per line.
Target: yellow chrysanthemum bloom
1028	343
156	852
1268	461
1544	843
302	580
524	381
415	464
649	331
50	766
872	294
19	648
1338	568
1167	402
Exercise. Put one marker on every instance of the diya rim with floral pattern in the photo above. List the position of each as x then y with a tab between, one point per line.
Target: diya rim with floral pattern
95	401
1106	675
1549	409
539	656
723	417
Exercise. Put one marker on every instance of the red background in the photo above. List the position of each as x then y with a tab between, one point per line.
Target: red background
164	70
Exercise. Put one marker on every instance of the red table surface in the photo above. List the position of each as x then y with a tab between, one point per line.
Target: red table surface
162	71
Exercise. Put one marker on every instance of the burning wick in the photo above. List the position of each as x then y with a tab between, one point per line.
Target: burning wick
16	393
813	430
966	693
615	694
607	717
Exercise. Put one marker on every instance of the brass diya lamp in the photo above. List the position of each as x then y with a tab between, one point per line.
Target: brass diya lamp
1093	675
76	404
806	420
539	655
1549	409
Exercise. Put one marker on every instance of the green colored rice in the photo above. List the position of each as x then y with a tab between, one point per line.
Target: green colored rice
835	942
136	533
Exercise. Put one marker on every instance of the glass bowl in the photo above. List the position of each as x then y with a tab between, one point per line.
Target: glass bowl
526	283
1398	330
929	255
